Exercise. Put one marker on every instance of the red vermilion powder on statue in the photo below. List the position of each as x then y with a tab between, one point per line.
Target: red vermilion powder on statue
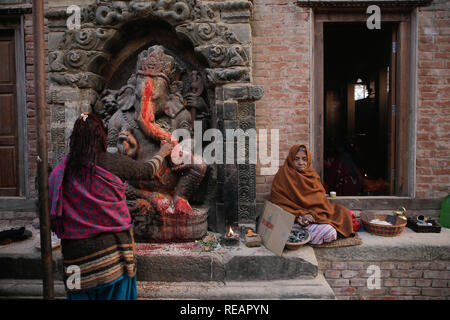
148	112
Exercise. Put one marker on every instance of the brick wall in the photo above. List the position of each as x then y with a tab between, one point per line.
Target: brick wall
399	280
281	55
31	121
30	100
433	118
281	44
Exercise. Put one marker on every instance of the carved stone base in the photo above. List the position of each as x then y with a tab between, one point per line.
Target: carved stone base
157	228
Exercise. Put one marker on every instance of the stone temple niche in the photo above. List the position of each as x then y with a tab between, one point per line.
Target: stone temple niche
150	94
194	58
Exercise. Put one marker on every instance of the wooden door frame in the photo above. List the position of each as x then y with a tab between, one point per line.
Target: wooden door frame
406	89
16	23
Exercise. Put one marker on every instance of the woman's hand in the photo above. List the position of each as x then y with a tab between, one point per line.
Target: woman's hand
305	220
165	149
299	220
309	218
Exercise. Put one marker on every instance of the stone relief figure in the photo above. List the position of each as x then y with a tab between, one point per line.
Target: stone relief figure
108	102
149	108
194	100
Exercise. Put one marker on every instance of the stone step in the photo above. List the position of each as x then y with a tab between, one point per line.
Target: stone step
316	288
178	262
28	289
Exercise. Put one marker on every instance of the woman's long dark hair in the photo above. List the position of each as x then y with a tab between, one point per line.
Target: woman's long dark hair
87	141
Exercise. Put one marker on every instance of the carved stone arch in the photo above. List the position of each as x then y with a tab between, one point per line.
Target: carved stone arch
224	46
145	33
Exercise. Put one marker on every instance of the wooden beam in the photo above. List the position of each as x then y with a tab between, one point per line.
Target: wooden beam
42	160
318	99
403	152
359	16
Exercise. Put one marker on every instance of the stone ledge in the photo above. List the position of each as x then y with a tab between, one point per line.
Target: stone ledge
176	262
17	204
386	203
427	206
430	207
316	288
408	246
31	289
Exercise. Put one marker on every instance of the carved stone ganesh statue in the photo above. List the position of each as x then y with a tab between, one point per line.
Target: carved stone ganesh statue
140	116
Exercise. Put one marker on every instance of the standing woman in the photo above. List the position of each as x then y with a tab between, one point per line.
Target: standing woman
89	214
297	189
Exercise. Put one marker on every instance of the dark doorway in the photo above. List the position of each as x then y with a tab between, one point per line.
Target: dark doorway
357	127
9	155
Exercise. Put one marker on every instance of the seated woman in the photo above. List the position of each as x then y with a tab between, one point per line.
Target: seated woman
298	190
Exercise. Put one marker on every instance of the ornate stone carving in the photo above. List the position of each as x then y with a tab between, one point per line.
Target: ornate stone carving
247	213
206	33
56	61
246	124
111	12
247	174
107	105
233	11
235	74
86	39
200	11
224	56
243	92
81	60
80	80
246	110
116	12
172	9
231	5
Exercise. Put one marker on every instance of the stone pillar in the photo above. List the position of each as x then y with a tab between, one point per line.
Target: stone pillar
236	196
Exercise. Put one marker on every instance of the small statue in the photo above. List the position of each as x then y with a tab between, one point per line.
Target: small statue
194	99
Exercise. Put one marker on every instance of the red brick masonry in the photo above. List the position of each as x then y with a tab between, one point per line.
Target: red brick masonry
417	280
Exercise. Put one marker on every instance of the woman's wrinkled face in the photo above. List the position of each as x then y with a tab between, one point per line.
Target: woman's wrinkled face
301	160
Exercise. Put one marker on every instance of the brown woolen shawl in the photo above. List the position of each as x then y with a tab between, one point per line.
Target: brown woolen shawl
300	192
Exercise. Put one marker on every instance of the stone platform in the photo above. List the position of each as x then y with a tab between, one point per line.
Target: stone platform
184	271
412	266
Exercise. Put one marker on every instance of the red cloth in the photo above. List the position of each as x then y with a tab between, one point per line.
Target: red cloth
79	210
355	222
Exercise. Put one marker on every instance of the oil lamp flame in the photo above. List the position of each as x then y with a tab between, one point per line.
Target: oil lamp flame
230	238
230	232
